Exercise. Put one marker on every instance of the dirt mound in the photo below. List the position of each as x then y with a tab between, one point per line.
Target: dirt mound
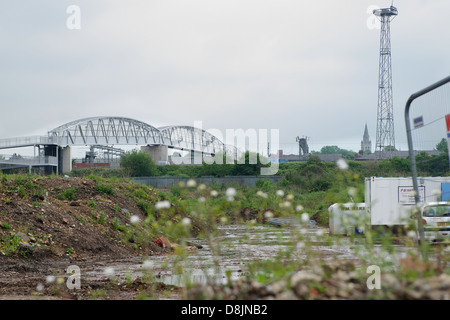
70	218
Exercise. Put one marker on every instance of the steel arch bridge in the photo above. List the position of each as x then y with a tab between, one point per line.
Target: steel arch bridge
126	131
110	131
105	131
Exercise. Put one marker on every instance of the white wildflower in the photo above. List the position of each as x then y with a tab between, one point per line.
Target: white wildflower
299	208
320	232
305	217
186	222
285	204
162	205
201	199
223	220
134	219
191	183
280	193
39	287
352	191
342	164
201	187
261	194
50	279
214	193
268	214
231	192
290	197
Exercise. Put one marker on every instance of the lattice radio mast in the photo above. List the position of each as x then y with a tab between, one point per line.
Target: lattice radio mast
385	113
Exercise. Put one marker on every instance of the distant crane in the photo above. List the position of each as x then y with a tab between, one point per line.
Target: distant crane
385	137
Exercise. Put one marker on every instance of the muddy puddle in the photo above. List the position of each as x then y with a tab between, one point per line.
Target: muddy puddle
227	256
230	253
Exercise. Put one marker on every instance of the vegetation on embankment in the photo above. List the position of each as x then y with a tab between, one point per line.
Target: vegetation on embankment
105	199
135	164
89	214
78	215
314	183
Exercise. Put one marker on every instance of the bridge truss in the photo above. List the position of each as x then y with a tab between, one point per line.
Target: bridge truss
110	131
126	131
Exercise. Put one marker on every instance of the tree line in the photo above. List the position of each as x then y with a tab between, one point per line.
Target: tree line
312	174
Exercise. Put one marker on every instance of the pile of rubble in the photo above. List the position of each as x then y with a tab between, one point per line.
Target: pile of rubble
329	282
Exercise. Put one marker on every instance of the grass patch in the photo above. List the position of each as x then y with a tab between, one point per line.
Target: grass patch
4	225
105	189
68	194
9	245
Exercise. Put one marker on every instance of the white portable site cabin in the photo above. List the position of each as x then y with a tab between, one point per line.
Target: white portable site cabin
390	200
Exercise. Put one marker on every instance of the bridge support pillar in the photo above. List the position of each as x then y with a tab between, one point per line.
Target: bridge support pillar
196	157
66	159
158	153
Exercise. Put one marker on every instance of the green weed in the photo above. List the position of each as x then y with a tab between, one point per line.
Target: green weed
68	194
105	189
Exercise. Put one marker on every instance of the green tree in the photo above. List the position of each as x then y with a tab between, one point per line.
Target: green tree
249	164
395	166
435	165
138	164
312	176
442	146
346	154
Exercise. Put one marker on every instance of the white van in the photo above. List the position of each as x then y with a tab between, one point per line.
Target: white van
436	221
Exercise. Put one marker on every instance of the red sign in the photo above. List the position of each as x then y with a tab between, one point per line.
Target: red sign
447	121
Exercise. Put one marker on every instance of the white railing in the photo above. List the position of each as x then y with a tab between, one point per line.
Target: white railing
27	160
26	141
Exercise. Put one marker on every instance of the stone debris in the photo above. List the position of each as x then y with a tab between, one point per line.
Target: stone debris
335	281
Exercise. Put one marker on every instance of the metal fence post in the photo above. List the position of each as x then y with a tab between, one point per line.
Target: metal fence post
411	153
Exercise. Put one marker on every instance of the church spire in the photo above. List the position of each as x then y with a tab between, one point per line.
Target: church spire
366	144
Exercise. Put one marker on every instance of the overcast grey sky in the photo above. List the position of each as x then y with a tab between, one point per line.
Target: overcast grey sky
307	68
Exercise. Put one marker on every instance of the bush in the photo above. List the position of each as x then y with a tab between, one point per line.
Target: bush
117	226
263	184
176	190
105	189
246	167
4	225
312	177
138	164
435	165
9	245
68	194
145	206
